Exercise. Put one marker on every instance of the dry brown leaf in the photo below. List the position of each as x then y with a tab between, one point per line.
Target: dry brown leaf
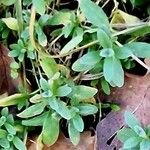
87	142
7	84
133	96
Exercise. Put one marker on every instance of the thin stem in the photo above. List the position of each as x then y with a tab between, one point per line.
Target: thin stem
24	76
25	136
76	50
19	16
31	27
140	62
57	38
130	29
35	75
91	76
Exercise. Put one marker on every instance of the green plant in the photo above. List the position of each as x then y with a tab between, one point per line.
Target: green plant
61	49
134	136
10	132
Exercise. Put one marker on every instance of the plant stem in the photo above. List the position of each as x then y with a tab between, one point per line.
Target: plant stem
19	16
76	50
34	72
31	27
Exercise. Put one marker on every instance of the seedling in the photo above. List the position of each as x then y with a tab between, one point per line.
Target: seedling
134	136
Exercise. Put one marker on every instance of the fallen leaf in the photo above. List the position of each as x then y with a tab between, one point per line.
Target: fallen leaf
120	16
7	84
87	142
133	96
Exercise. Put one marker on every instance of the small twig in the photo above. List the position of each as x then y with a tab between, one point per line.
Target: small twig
35	75
91	76
19	17
54	41
31	27
76	50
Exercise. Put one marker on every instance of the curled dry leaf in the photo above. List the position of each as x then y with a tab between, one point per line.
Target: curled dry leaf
87	142
7	84
133	96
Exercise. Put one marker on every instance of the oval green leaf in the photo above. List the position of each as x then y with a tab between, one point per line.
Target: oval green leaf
50	131
87	109
86	62
113	71
11	23
33	110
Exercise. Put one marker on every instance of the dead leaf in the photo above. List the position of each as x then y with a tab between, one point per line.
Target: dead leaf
7	84
133	96
87	142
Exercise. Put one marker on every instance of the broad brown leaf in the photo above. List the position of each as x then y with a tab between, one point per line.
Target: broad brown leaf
7	84
133	96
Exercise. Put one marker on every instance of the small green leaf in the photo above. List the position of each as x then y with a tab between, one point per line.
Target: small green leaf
53	102
139	49
2	120
131	120
63	110
4	143
10	137
86	62
39	6
145	145
60	18
78	123
3	133
73	134
14	65
72	44
5	112
105	87
83	92
42	39
19	144
113	71
47	93
11	23
94	13
44	84
140	131
125	133
50	131
36	121
63	90
115	107
10	119
123	52
13	99
48	65
107	52
43	20
33	110
67	29
11	129
87	109
104	39
131	142
8	2
14	74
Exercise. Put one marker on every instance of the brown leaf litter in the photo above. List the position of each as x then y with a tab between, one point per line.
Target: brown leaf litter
133	96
